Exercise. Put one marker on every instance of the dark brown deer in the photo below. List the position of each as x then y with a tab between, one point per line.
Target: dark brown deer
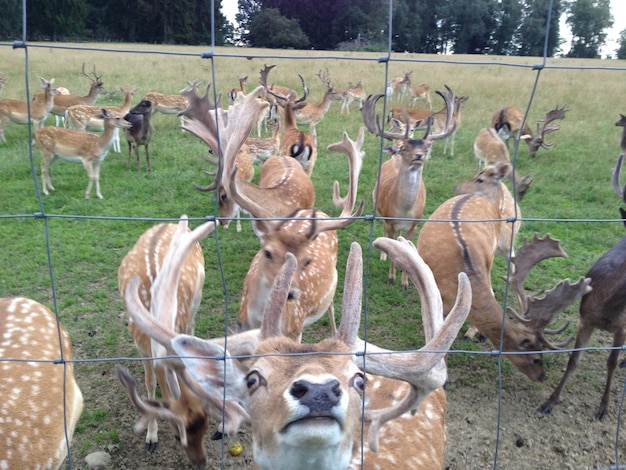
622	123
141	131
603	308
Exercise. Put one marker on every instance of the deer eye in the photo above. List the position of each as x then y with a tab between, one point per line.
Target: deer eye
358	382
267	254
254	380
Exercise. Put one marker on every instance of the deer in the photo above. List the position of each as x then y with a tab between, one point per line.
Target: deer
63	101
489	150
140	132
262	148
84	117
603	308
312	113
163	275
353	93
305	402
398	87
399	194
470	237
622	123
167	104
419	93
510	123
41	400
22	112
293	143
78	147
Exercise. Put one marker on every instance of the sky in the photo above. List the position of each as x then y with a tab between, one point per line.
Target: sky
618	9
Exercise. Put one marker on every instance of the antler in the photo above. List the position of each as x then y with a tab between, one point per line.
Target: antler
425	369
95	78
355	156
324	78
538	313
543	128
372	122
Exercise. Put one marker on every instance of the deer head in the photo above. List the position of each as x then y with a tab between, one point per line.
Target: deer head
544	127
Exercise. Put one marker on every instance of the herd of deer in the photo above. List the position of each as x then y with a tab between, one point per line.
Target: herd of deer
304	403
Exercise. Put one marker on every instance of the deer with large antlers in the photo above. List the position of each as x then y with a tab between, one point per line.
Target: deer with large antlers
82	117
508	123
41	401
163	275
293	143
21	112
467	242
306	401
312	113
63	101
400	195
78	147
603	308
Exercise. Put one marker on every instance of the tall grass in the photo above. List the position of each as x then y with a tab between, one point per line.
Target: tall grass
87	239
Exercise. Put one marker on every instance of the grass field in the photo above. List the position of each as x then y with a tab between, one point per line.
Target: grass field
72	254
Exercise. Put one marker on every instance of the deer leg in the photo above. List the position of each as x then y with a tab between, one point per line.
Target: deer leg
130	146
137	156
152	437
47	162
611	364
145	146
582	337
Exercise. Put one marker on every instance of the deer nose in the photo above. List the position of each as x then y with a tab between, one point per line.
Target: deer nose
318	397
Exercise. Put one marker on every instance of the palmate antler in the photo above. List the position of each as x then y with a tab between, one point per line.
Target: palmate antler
537	313
544	127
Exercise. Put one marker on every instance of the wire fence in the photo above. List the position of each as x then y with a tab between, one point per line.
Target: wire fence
386	59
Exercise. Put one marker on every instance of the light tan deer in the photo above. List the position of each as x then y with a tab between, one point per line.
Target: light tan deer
310	235
163	274
41	401
167	104
399	194
78	147
467	242
305	401
63	101
21	112
419	93
262	148
397	87
293	143
603	308
508	123
351	94
312	113
84	117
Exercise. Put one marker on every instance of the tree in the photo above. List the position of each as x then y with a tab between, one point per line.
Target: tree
57	20
505	38
270	29
588	19
532	33
621	52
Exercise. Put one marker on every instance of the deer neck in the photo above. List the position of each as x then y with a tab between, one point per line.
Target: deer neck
92	95
106	138
325	104
407	186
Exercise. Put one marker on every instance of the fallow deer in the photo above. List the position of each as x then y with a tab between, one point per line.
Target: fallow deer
306	401
466	241
141	131
351	94
41	401
312	113
400	195
509	123
163	274
603	308
21	112
622	123
262	148
396	88
489	149
293	143
235	93
63	101
420	93
84	117
78	147
167	104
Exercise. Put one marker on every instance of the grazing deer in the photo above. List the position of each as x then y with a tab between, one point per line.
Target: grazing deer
84	117
622	123
41	401
21	112
312	113
489	150
163	274
603	308
140	132
310	235
419	93
306	401
400	195
63	101
79	147
293	143
467	243
167	104
353	93
508	123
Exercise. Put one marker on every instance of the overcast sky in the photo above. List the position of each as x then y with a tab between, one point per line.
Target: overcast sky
618	9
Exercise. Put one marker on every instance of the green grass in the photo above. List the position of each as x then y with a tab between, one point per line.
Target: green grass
86	247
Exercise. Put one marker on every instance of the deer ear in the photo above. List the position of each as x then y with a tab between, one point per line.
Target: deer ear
526	137
391	150
212	367
503	170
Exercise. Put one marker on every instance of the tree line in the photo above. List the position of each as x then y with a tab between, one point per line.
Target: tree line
499	27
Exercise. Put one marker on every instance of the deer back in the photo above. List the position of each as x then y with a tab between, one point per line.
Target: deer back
39	398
